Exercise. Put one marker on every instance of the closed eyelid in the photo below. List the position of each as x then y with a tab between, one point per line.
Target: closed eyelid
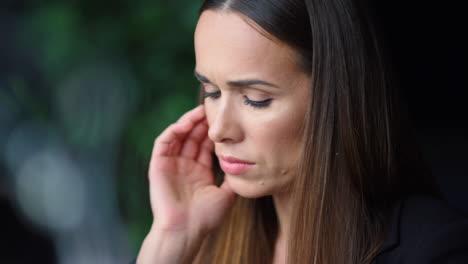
208	87
252	95
201	78
247	101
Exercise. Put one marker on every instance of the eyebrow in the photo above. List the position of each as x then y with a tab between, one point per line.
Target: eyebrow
238	83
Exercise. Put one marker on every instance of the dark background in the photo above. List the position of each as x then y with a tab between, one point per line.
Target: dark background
86	86
428	41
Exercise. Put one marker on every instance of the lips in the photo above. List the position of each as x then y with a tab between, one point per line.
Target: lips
234	165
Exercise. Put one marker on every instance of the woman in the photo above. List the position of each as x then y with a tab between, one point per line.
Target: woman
317	164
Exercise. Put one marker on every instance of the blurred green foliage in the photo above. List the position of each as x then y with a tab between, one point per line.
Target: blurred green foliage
152	41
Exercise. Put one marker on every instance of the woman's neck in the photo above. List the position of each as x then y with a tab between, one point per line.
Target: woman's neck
283	211
279	256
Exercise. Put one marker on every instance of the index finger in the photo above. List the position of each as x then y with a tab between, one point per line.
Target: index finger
193	115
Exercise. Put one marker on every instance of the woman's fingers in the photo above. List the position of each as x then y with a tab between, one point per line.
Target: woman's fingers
192	143
170	142
205	154
194	115
188	137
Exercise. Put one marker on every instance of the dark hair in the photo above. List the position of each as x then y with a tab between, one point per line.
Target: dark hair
359	154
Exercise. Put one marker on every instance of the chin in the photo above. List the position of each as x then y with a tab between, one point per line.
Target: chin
245	188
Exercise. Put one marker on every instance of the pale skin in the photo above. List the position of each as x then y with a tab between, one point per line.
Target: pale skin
186	205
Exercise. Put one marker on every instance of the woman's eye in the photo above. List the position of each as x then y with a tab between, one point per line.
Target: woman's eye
257	104
213	95
247	101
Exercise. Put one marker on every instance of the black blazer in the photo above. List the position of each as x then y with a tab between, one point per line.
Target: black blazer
425	230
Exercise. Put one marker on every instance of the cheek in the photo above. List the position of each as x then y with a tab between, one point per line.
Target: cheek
209	112
279	137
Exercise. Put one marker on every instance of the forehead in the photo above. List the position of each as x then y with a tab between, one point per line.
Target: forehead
229	46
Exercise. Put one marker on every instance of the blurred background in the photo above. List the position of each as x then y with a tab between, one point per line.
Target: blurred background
86	86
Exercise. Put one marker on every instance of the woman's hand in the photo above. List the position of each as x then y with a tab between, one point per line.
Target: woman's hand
185	202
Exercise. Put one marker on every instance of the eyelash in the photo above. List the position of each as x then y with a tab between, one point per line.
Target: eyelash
247	101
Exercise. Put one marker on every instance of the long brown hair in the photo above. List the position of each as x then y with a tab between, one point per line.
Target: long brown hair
359	154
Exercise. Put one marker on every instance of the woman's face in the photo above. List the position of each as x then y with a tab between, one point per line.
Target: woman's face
257	99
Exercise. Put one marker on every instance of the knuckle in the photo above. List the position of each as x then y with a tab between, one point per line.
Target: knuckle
158	138
156	141
168	129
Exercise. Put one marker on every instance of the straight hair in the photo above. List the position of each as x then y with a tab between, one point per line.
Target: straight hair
359	154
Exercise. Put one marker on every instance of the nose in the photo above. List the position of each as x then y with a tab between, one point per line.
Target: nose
224	126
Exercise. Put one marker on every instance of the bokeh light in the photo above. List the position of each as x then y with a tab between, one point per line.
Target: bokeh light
85	87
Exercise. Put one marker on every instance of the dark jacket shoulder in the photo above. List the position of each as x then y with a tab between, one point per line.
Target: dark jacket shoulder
425	230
